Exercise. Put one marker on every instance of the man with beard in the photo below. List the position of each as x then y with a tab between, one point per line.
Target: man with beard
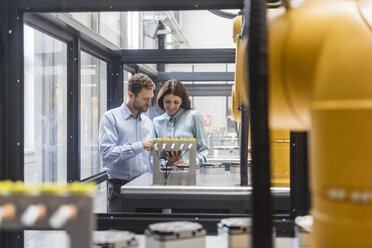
125	138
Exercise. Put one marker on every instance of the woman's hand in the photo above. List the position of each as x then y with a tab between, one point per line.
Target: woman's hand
181	162
174	158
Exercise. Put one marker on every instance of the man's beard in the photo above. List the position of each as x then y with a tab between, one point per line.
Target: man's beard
141	109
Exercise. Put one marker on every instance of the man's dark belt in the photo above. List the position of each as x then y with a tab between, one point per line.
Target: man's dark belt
118	181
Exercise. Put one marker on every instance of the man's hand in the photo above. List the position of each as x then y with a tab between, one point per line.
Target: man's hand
147	145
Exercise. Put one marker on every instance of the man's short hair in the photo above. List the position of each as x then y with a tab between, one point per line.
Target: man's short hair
140	81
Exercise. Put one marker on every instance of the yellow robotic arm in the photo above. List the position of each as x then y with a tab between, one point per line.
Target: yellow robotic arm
320	57
279	139
240	92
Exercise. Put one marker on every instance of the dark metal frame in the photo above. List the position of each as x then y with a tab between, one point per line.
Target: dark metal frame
11	104
115	83
134	68
73	110
11	77
209	89
128	5
11	96
46	25
138	222
213	202
299	174
97	178
178	56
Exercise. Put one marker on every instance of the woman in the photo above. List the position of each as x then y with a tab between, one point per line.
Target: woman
180	120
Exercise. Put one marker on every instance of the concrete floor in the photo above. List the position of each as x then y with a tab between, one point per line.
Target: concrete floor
59	239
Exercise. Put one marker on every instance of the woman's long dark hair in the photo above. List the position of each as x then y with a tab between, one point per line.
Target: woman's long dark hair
176	88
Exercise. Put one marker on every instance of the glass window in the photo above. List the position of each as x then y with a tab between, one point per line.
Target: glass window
88	19
210	67
45	108
203	29
215	113
179	67
231	124
110	26
125	87
213	108
133	31
93	104
100	198
182	29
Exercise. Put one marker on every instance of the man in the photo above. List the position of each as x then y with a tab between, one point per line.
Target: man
125	138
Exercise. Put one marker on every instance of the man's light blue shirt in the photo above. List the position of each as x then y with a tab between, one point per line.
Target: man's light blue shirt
120	143
184	124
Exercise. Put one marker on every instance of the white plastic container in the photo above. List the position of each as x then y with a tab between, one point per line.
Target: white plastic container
176	234
235	232
303	230
114	239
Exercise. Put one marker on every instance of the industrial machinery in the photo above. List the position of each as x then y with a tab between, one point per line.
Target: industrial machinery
235	232
319	63
175	234
303	230
174	175
279	158
114	239
221	143
49	207
279	138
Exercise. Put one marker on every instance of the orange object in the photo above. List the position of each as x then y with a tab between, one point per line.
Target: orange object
279	158
7	211
42	211
73	211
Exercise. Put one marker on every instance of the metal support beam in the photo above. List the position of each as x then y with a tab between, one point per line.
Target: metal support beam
85	33
11	104
209	89
115	83
178	56
129	221
58	24
161	47
11	92
244	137
197	76
97	178
300	189
12	239
153	74
127	5
159	67
40	22
73	110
